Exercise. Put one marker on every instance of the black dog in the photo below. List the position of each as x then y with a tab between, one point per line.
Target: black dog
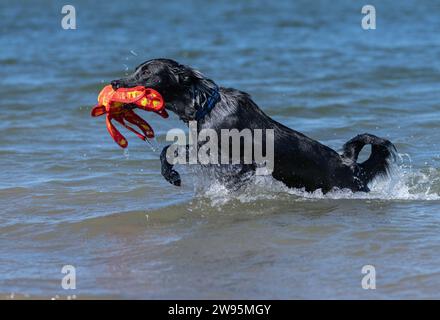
299	161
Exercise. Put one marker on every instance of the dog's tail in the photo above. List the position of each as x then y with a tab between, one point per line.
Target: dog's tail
383	152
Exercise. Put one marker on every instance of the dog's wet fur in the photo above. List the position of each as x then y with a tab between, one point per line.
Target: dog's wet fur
299	161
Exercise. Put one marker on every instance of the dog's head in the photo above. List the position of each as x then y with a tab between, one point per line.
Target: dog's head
183	88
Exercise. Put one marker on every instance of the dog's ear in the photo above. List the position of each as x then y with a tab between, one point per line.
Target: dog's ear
187	76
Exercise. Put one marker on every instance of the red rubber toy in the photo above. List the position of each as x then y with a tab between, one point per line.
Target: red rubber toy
119	104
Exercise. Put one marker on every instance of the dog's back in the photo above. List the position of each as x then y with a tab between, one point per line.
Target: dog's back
300	161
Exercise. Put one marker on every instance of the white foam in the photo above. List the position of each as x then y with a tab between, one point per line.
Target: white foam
404	183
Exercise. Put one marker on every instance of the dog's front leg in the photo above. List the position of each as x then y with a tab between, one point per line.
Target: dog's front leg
170	175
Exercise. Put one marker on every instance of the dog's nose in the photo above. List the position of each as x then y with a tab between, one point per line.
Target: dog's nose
116	84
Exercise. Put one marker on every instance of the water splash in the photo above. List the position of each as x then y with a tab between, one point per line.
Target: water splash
126	154
153	144
404	183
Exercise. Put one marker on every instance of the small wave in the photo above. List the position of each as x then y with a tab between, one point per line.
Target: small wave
404	183
9	191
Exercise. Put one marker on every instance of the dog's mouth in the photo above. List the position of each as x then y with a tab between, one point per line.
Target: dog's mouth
123	83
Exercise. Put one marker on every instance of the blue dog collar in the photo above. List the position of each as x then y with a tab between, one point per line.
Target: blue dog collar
212	100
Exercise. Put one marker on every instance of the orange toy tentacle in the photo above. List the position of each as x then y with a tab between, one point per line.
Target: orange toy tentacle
163	113
133	118
116	135
121	121
98	110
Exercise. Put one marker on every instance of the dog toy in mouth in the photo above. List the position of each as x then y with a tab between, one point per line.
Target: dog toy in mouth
119	104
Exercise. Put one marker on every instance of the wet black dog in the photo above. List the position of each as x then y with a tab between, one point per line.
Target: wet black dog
299	161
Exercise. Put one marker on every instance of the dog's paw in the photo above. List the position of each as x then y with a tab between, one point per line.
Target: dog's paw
173	177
